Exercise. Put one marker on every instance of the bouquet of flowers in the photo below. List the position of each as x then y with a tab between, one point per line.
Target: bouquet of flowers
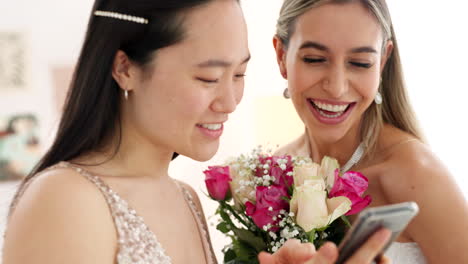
265	200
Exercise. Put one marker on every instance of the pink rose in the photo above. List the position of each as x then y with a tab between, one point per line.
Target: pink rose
272	196
263	216
278	167
217	182
269	202
351	185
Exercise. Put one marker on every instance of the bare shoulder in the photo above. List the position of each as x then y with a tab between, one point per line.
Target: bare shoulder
297	147
60	209
412	172
411	167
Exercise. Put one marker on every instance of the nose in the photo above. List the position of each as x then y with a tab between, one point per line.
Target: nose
335	83
228	97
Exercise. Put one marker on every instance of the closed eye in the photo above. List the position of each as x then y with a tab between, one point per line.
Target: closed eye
208	80
313	60
361	65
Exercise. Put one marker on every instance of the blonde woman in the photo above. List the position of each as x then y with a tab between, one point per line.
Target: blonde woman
342	64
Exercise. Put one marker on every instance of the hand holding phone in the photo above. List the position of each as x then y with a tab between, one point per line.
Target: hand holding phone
393	217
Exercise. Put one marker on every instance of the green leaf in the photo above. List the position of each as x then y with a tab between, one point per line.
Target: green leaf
236	261
229	255
248	237
244	252
224	215
223	227
346	220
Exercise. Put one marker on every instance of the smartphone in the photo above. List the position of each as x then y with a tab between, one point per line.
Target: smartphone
394	217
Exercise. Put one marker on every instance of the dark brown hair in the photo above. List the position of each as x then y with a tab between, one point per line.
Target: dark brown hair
91	114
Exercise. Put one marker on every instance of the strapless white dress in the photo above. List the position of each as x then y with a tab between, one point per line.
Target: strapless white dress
405	253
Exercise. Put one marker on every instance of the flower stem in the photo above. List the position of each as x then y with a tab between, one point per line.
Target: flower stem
311	235
228	207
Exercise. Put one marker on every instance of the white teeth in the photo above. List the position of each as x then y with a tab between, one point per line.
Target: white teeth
331	108
211	126
330	116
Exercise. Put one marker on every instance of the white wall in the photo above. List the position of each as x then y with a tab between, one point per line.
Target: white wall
55	30
432	37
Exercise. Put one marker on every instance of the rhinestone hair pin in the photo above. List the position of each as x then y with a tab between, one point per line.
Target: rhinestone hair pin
120	16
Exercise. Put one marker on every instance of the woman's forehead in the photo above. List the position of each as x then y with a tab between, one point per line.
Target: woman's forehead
349	23
216	29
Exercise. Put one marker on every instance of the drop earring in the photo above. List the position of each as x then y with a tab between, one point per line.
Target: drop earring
126	95
378	96
286	93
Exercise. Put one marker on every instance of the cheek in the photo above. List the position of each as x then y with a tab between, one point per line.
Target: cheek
302	78
152	113
366	85
172	110
191	106
239	92
184	107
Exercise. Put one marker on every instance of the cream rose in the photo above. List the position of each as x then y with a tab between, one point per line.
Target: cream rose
242	186
304	172
312	208
327	171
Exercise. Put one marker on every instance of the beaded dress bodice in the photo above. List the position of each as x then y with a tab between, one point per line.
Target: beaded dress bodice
137	244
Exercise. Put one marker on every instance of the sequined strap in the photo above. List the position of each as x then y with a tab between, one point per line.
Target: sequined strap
21	191
137	243
209	255
105	189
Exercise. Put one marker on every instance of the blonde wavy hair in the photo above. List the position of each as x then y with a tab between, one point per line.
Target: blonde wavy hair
395	109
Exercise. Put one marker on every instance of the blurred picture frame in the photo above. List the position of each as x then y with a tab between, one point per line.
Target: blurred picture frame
14	60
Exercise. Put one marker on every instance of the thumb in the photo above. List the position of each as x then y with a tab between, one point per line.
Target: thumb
293	251
266	258
327	254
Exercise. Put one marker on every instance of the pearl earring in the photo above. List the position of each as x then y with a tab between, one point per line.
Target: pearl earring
126	95
378	98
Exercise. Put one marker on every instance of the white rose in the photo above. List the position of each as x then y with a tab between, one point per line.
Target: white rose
327	171
304	172
242	187
312	208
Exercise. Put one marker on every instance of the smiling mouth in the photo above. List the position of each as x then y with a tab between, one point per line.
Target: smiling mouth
330	110
212	127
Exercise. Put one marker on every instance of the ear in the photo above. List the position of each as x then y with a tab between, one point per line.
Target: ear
280	50
121	70
386	54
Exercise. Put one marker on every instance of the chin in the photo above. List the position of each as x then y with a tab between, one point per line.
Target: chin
203	153
202	156
329	134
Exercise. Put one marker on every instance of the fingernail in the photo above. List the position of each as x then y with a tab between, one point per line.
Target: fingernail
384	235
309	248
328	250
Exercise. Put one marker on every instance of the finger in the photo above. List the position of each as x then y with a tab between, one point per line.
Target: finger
327	254
382	259
385	260
370	249
293	251
266	258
